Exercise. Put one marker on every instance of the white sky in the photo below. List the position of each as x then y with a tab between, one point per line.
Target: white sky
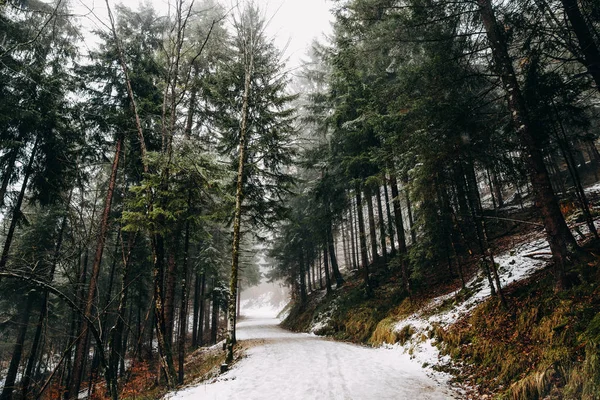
295	22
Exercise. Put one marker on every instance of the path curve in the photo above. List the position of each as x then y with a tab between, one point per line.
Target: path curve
297	366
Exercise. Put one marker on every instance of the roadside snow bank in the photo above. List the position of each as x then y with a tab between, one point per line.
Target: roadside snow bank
514	265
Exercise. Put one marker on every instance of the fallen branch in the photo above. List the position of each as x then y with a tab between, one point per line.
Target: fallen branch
538	254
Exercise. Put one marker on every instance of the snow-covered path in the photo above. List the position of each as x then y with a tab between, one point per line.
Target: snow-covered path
286	365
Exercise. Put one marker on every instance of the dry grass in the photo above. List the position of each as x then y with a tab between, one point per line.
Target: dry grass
544	346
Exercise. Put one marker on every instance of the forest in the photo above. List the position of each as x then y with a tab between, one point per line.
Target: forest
155	165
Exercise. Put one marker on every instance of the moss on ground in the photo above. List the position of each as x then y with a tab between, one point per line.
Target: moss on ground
544	346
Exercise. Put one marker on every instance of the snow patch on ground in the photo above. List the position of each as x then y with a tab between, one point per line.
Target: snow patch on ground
322	319
514	265
593	189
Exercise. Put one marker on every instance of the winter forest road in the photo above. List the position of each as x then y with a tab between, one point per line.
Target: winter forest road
295	366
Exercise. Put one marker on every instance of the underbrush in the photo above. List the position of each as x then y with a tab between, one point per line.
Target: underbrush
546	345
201	365
350	314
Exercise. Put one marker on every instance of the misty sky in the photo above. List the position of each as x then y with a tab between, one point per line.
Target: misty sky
293	23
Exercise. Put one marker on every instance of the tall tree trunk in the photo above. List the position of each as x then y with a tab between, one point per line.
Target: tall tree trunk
339	280
345	250
390	223
16	214
183	308
411	224
165	352
206	312
362	237
314	269
237	218
381	225
321	271
203	314
559	236
117	349
476	213
326	267
81	349
371	219
214	325
170	284
308	277
398	214
491	188
196	310
302	270
353	252
400	231
587	45
11	374
497	189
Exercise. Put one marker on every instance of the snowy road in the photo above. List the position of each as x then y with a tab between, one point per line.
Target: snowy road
298	366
